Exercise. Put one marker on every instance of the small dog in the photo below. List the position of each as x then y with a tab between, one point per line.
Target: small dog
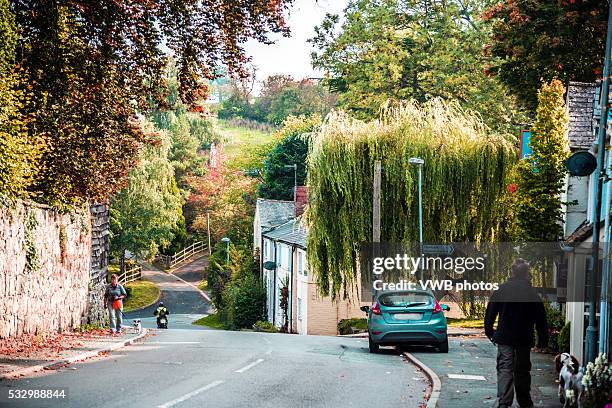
570	380
136	325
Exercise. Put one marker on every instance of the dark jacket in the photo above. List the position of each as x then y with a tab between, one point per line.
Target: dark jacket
519	309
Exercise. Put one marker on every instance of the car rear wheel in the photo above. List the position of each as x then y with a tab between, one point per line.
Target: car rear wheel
374	348
443	347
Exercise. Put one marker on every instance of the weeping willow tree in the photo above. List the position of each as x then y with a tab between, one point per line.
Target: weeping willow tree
464	179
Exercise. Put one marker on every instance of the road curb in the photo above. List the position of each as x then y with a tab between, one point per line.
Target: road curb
436	385
60	363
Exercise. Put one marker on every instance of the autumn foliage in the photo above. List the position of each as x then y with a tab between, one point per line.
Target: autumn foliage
87	70
540	40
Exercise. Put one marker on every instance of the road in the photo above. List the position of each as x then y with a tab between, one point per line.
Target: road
186	366
185	302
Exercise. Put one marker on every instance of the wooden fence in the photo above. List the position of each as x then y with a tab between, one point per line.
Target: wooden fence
130	275
170	261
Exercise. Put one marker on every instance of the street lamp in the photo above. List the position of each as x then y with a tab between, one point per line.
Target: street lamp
294	167
417	161
227	241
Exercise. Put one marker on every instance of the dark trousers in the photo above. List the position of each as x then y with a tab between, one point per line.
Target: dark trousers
513	374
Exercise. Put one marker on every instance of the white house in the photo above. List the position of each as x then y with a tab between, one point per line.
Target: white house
284	256
582	102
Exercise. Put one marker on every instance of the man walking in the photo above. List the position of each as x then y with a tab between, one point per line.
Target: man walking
519	309
113	299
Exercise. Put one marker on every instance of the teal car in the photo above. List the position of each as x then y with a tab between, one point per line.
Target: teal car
406	317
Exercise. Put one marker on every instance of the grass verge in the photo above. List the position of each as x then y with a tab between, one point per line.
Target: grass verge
245	148
203	285
211	321
465	323
142	294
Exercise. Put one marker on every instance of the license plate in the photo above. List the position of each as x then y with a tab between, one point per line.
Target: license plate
407	316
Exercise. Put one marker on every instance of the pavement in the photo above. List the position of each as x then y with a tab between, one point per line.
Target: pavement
61	350
468	374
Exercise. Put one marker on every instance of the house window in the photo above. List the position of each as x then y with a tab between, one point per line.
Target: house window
299	309
280	256
301	264
264	250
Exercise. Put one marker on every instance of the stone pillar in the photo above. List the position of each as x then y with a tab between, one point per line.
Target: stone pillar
99	263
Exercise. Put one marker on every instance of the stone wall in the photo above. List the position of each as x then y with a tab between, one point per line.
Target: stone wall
47	282
99	263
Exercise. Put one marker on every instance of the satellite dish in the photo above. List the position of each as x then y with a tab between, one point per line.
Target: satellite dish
269	265
581	164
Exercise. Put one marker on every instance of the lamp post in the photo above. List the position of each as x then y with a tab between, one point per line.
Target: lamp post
417	161
227	241
294	167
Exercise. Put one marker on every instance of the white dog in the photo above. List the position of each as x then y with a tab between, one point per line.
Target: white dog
570	380
136	325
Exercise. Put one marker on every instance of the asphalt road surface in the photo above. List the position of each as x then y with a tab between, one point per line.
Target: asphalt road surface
185	303
186	366
199	368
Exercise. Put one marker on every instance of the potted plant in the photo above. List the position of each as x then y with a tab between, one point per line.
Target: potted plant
597	381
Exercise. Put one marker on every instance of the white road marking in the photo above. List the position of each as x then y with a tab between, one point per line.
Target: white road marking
189	395
467	377
249	366
175	342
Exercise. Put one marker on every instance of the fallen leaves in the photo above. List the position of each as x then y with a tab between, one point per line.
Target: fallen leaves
47	345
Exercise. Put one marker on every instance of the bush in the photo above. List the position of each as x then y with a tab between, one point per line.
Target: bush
351	326
556	322
236	290
264	326
563	340
245	303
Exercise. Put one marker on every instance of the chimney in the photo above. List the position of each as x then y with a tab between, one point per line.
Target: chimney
301	199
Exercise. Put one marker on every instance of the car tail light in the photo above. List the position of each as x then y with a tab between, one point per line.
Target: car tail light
375	309
437	307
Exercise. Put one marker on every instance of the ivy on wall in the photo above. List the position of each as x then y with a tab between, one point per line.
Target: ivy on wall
32	257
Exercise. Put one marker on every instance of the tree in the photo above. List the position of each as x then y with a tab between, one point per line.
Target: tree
145	214
91	65
540	40
464	184
410	49
540	177
185	145
281	97
278	181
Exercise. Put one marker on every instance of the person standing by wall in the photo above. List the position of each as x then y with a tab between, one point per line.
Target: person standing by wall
520	309
113	299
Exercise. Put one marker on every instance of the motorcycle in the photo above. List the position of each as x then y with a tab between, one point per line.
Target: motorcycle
162	321
162	316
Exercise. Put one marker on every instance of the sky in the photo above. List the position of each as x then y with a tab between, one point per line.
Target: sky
292	55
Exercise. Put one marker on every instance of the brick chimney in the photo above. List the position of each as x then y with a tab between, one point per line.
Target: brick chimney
301	199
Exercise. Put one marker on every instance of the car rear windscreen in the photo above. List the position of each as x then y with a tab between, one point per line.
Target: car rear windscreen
404	299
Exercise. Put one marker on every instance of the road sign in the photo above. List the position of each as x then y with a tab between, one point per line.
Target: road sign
429	249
